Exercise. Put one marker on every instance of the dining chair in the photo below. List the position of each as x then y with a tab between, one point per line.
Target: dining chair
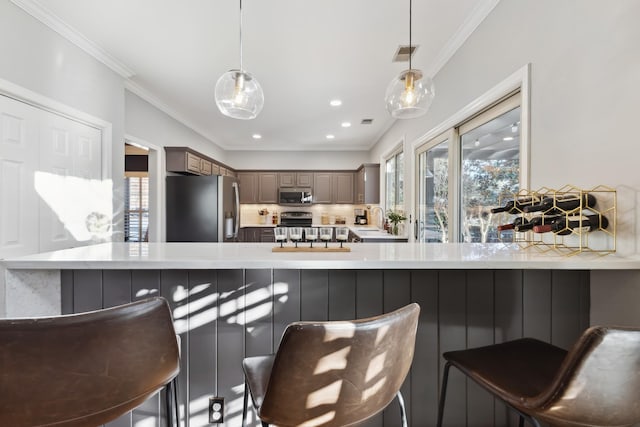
595	383
87	369
333	373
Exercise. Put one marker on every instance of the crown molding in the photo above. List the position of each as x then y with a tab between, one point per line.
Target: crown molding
44	15
467	28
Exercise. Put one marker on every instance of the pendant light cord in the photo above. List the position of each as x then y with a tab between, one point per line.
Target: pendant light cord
410	52
241	69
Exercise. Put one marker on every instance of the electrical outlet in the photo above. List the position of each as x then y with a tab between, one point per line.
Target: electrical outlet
216	410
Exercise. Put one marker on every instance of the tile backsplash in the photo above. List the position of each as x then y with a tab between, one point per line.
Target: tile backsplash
249	212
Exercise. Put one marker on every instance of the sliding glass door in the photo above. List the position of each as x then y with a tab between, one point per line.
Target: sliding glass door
432	222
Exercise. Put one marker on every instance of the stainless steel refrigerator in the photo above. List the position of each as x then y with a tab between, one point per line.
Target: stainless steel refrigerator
202	209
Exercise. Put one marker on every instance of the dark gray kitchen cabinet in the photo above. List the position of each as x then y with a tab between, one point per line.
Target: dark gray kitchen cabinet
257	234
368	184
267	187
322	187
342	187
295	179
248	185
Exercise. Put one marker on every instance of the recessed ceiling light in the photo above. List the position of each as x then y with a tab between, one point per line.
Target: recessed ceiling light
507	138
256	136
346	124
335	103
330	136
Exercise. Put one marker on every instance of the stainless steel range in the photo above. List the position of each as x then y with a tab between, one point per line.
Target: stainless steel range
296	219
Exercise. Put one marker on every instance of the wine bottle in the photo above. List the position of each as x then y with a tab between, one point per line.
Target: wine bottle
537	220
519	221
515	206
565	202
566	225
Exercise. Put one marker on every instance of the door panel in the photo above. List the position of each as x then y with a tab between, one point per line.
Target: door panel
51	193
18	156
73	200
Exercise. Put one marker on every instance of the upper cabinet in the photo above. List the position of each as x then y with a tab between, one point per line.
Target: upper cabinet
348	187
343	187
267	187
322	186
333	187
248	186
258	187
295	179
187	161
368	184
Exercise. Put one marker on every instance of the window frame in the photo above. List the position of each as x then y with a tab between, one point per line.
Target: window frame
399	173
518	82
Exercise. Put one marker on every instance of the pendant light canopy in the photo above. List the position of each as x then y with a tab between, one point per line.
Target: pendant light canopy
410	94
238	94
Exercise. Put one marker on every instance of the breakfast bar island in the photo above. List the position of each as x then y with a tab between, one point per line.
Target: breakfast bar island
232	300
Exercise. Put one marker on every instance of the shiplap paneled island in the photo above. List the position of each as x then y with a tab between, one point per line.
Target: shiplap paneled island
232	300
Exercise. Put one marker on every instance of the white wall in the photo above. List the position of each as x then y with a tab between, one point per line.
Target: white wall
306	160
38	59
146	122
585	70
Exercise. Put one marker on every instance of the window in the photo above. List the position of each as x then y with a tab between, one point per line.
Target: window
465	172
490	169
136	213
433	199
394	179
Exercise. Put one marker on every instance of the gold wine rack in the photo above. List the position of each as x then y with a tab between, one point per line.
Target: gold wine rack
600	241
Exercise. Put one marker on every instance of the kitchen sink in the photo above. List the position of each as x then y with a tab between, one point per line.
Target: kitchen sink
369	234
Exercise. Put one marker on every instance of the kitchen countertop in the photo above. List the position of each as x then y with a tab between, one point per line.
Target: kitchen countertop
362	256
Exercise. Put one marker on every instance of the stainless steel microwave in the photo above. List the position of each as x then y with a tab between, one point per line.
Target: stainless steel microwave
295	196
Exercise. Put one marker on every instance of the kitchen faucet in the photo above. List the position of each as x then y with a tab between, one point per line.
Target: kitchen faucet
373	210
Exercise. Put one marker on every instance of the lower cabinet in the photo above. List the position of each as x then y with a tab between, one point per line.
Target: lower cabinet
257	234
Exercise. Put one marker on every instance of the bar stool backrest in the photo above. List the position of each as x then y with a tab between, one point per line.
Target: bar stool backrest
339	373
85	369
598	383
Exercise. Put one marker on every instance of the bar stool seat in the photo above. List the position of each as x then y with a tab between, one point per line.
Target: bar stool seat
333	373
596	383
89	368
523	367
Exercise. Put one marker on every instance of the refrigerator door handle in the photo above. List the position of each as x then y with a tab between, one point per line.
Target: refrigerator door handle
236	213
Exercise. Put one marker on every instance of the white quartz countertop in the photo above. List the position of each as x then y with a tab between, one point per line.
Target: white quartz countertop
362	256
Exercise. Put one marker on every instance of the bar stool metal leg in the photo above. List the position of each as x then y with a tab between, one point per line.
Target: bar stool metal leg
244	404
403	412
171	403
443	393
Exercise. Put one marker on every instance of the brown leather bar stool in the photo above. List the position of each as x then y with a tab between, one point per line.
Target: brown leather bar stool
596	383
87	369
334	373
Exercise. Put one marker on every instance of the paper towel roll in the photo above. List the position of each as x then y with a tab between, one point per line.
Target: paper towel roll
228	227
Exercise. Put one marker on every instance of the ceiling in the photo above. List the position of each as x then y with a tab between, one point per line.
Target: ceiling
303	53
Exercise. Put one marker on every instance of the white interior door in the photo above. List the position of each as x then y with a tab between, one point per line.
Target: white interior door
18	159
51	192
68	182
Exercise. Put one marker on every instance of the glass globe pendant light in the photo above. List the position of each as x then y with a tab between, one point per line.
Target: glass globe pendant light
238	94
410	94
